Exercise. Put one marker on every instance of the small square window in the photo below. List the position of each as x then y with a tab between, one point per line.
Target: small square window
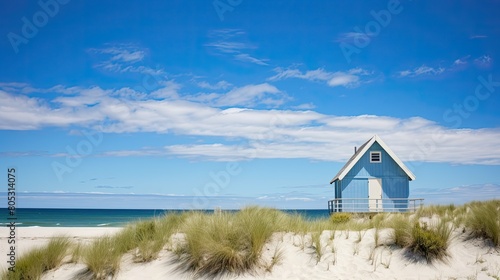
375	157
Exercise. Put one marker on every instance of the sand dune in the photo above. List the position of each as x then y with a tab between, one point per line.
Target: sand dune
343	257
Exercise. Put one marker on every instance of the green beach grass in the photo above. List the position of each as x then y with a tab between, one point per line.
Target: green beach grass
232	242
39	260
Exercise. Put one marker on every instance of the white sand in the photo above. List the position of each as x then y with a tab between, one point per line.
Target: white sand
343	258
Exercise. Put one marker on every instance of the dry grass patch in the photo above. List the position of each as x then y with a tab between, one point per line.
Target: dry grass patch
37	261
483	220
232	242
226	243
430	243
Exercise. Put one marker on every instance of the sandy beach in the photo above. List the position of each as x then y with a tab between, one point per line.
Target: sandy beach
343	257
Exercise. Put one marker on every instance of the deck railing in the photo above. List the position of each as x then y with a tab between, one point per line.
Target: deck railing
374	205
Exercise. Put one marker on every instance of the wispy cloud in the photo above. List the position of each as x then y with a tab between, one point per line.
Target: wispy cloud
231	42
19	112
108	200
113	187
241	133
422	71
226	33
460	194
167	90
349	78
218	85
461	61
247	96
304	106
483	61
125	53
250	95
478	36
229	47
352	37
458	64
244	57
123	58
122	68
25	154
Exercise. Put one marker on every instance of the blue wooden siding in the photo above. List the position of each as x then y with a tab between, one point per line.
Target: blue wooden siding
395	182
387	168
354	188
395	187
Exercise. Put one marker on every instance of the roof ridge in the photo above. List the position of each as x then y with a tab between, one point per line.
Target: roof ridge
362	150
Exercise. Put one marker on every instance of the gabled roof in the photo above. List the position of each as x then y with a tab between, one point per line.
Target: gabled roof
362	150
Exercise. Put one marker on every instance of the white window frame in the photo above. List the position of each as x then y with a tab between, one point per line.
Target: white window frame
379	156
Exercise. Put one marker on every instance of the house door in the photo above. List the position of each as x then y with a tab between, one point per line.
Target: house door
375	194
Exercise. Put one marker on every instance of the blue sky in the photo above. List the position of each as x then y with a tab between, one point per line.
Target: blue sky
168	104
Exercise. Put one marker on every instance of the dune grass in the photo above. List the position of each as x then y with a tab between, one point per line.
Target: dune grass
101	257
316	230
225	242
340	218
430	242
483	220
55	252
401	230
33	264
212	245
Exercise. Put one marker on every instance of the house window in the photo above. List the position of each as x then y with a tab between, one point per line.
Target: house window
375	157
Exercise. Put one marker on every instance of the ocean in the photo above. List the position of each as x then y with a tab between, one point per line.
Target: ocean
43	217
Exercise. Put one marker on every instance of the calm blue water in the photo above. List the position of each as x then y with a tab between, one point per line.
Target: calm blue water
30	217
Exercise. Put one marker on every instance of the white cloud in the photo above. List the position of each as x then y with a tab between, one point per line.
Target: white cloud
483	61
478	37
126	53
123	58
19	112
350	78
299	198
244	57
168	90
225	33
458	194
250	95
247	96
96	200
231	42
343	79
219	85
229	47
304	106
90	96
240	133
460	61
352	37
422	70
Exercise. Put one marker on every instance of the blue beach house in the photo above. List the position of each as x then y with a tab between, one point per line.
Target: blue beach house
373	180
